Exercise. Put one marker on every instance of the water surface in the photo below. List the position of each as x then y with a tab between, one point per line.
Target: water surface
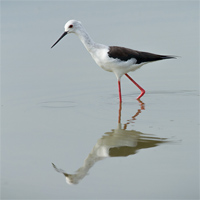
59	107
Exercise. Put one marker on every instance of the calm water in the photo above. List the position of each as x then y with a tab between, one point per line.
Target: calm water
64	135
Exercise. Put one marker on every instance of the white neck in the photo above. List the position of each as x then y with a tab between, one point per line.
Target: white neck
87	41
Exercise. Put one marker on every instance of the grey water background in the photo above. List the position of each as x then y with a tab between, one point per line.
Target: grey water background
58	106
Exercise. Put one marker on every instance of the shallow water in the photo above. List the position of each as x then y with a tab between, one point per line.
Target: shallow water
61	114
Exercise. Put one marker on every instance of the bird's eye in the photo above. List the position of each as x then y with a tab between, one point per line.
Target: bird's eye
71	26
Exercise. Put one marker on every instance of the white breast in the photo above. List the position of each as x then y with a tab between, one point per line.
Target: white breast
116	66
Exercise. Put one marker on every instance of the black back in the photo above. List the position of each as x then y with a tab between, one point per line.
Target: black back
126	54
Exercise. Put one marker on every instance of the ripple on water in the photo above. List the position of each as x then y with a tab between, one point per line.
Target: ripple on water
58	104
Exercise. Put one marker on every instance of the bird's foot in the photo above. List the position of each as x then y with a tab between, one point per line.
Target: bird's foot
142	93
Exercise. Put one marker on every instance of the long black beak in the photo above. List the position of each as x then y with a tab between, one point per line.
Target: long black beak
65	33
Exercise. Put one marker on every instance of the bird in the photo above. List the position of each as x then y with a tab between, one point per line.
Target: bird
119	60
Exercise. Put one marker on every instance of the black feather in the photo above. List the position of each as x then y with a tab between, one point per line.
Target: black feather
126	54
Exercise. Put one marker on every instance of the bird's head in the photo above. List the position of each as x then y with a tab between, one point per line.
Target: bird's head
70	27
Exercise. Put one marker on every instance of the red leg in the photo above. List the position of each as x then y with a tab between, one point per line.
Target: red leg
119	88
142	90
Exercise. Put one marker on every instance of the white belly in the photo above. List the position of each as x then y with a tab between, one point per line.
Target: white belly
116	66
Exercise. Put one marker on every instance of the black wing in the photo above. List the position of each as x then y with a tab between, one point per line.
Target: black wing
125	54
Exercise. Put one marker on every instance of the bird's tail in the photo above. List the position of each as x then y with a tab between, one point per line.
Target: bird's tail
168	57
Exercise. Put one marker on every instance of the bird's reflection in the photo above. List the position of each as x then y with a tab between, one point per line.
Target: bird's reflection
117	142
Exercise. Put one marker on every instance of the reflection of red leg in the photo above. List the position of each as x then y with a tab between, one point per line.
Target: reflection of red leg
142	90
132	120
119	115
142	107
119	87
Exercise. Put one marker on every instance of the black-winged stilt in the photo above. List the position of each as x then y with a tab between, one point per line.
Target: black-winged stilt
118	60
